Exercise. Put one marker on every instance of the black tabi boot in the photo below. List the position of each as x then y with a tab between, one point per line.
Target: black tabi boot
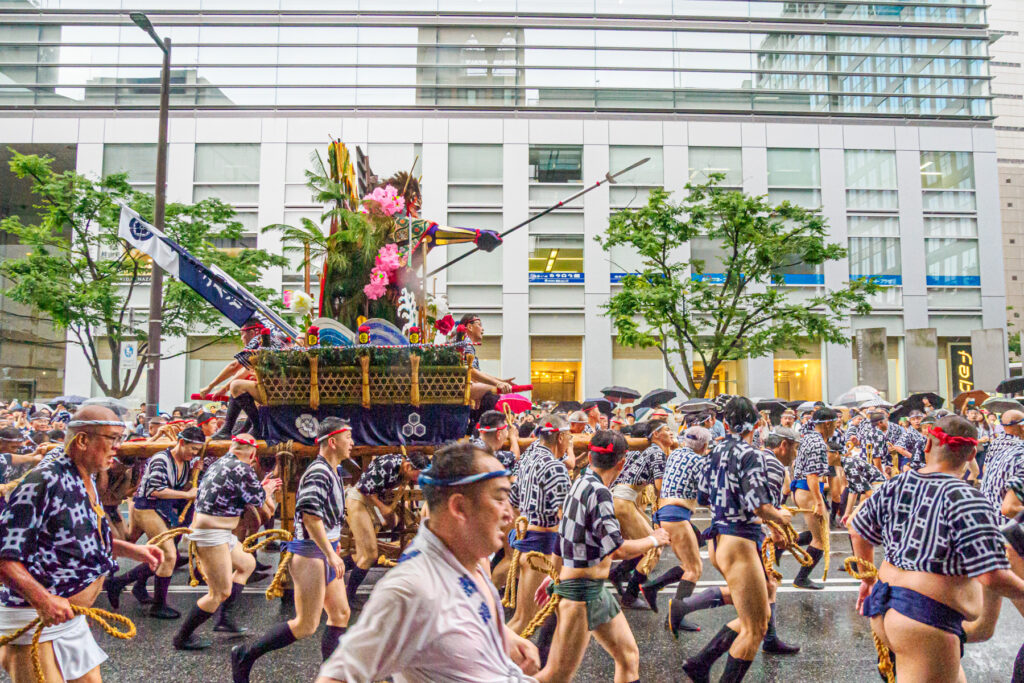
329	640
185	638
678	608
803	577
803	538
225	622
618	575
160	609
771	642
632	592
652	587
545	636
233	411
735	670
355	578
242	657
252	413
116	584
699	668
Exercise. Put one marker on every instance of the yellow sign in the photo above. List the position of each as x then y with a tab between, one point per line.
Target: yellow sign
963	367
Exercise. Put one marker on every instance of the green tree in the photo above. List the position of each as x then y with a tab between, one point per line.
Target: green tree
84	278
735	307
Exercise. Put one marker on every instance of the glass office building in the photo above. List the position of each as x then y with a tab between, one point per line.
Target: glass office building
878	114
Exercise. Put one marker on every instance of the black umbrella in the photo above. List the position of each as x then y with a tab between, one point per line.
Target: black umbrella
916	401
603	405
771	403
697	405
617	394
653	399
902	409
794	404
67	400
568	406
1012	385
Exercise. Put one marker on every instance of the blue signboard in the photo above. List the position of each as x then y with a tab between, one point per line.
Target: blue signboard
887	280
616	278
570	278
954	281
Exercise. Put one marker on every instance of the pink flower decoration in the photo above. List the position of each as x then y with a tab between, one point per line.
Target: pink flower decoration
378	285
387	198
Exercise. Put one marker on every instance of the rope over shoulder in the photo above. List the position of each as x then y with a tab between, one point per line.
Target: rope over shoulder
100	616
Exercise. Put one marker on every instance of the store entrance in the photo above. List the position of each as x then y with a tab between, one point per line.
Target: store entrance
554	381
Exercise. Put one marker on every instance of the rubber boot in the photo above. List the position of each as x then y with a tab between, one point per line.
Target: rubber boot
618	575
735	670
803	577
771	643
185	638
116	585
679	608
160	609
699	668
225	622
233	411
652	587
248	404
242	658
629	597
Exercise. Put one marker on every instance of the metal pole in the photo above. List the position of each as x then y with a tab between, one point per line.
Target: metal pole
156	283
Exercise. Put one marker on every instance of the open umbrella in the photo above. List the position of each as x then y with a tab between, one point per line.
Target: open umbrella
516	403
857	395
1012	385
769	403
603	405
188	409
916	401
568	406
878	402
977	395
794	404
697	405
71	400
617	394
998	404
655	398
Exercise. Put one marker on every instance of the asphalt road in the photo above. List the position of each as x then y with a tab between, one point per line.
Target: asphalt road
836	642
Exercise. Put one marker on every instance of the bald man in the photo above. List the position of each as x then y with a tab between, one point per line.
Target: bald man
55	550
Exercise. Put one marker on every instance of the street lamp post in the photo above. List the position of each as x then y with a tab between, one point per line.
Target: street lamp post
156	283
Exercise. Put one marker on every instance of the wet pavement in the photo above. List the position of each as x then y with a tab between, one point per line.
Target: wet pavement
836	642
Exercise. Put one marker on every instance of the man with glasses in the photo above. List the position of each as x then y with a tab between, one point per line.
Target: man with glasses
55	550
164	492
493	430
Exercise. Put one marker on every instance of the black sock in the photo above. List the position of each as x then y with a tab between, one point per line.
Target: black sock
545	635
684	589
225	608
160	586
248	404
277	637
735	670
624	569
673	574
706	599
837	509
355	578
230	418
718	646
196	618
498	557
803	538
329	640
138	573
633	587
770	634
350	564
805	572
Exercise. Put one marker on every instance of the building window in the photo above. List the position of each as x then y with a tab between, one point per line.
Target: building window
475	196
556	164
475	176
556	258
875	248
871	180
953	273
631	189
704	161
947	179
231	173
138	161
872	205
794	175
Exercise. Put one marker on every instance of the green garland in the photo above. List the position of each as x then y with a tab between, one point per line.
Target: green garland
382	359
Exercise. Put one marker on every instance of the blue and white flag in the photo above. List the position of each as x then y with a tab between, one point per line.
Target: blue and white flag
179	263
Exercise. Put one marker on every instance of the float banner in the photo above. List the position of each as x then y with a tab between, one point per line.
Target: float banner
386	425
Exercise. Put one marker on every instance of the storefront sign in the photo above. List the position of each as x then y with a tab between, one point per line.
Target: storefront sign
573	278
962	362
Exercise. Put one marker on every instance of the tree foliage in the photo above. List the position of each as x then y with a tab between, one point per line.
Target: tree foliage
82	276
738	306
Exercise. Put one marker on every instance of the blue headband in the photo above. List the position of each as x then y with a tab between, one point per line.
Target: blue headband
427	480
90	423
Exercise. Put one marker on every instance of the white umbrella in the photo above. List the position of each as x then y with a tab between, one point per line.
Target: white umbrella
858	395
876	403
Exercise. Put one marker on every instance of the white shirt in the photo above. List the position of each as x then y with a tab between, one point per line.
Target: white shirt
426	622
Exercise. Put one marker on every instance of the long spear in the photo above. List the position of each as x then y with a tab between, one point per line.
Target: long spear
608	178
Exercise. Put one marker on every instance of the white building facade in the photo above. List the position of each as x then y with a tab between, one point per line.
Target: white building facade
880	116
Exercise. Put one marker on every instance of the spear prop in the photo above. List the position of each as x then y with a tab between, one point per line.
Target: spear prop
608	178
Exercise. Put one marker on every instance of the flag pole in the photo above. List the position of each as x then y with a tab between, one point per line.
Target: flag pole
608	178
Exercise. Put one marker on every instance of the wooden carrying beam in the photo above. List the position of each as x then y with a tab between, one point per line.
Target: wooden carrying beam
144	449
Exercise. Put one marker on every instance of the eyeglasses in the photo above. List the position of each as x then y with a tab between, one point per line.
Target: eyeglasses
112	440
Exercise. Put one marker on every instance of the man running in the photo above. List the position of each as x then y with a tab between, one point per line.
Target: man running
436	616
316	569
939	533
375	497
809	471
55	550
589	537
229	485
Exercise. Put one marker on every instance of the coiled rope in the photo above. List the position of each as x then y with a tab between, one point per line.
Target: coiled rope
789	542
512	577
194	572
825	540
539	562
100	616
862	569
253	543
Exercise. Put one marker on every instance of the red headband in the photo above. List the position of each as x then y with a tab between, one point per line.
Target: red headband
954	441
548	427
212	417
244	441
602	449
323	438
